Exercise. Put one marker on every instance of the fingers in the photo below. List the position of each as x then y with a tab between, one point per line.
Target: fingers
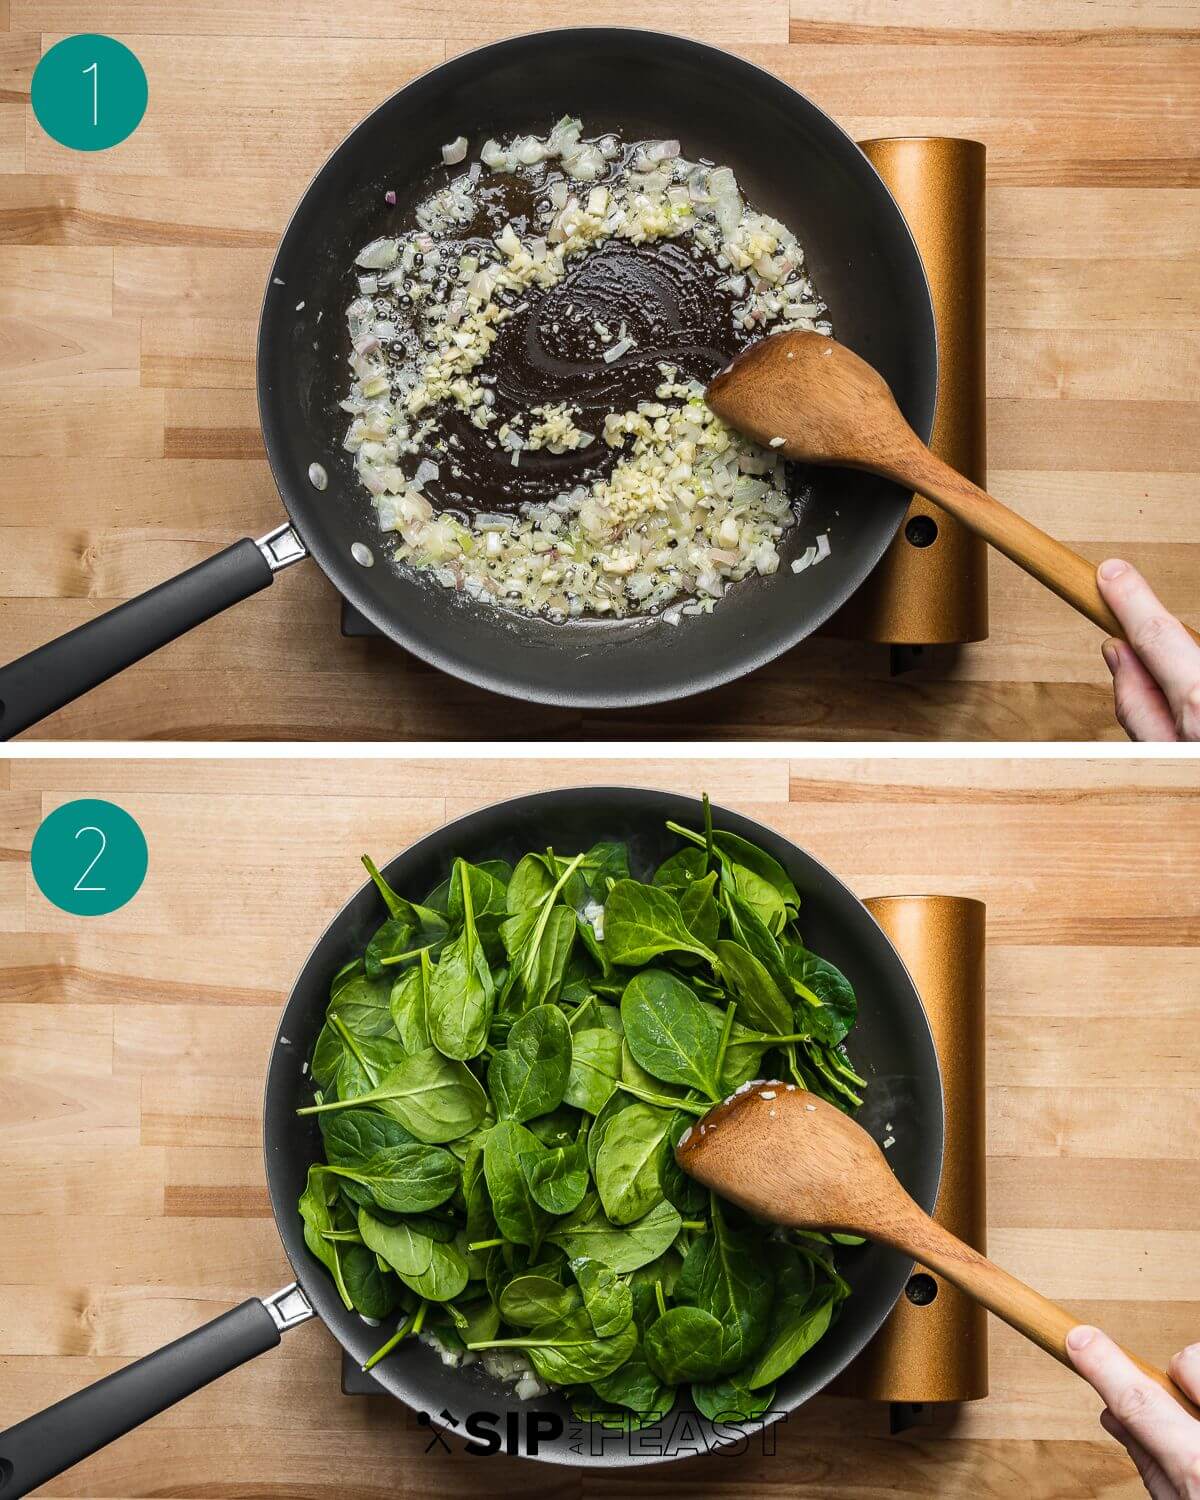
1142	711
1150	1472
1184	1370
1145	1411
1167	650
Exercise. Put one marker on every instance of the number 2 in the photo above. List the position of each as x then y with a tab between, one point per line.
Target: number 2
94	70
79	885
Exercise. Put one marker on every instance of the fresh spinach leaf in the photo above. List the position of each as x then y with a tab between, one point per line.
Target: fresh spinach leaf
595	1068
621	1247
669	1031
569	1351
628	1160
641	922
760	1002
529	1075
607	1299
828	997
519	1216
462	993
686	1343
530	1300
433	1097
728	1400
409	1002
434	1269
557	1176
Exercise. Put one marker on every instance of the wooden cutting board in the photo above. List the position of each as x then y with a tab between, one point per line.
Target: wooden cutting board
129	292
132	1051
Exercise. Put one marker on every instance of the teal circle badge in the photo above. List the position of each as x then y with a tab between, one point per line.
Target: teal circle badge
89	92
89	857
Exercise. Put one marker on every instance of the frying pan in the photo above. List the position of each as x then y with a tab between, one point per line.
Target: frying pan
891	1045
791	160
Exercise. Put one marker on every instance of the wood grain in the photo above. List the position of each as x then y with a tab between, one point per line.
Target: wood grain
130	282
131	1053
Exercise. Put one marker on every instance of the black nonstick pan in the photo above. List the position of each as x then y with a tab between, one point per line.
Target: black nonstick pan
891	1046
791	160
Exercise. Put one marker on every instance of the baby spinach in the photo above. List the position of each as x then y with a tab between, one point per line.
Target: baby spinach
606	1297
433	1097
669	1031
725	1273
643	921
760	1002
528	1075
377	1156
530	1300
728	1400
363	1005
569	1351
409	1002
317	1209
627	1162
621	1247
686	1343
499	1093
828	996
595	1068
635	1385
519	1216
462	993
531	883
557	1177
794	1335
347	1065
434	1269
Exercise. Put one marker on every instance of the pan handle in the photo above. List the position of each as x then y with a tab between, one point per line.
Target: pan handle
44	1445
61	671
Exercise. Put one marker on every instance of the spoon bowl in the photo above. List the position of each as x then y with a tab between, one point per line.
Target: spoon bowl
786	1156
816	401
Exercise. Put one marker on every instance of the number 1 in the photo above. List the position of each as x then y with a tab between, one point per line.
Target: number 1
94	70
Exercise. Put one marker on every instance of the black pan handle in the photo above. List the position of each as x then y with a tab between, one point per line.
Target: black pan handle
61	671
46	1444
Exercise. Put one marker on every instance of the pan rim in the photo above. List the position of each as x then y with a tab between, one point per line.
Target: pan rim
497	679
307	1274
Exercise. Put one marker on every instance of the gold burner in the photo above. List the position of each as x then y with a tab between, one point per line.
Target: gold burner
937	594
938	1352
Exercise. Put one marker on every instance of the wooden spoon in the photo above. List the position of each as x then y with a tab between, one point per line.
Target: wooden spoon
830	407
789	1157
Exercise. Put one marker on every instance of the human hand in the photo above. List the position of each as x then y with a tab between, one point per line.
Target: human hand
1156	669
1156	1432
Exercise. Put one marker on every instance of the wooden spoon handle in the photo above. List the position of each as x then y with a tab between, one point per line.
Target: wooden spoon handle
1070	576
1018	1305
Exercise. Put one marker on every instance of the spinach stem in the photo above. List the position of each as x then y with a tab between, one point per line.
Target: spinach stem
484	1244
340	1027
700	1226
660	1299
723	1046
665	1103
411	1325
468	914
763	1038
398	958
